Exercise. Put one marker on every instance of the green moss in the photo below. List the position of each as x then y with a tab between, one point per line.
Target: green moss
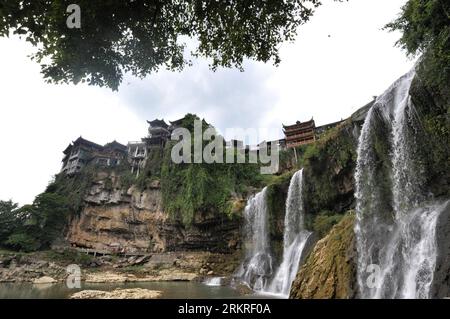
434	135
73	188
189	189
152	168
330	270
328	165
324	222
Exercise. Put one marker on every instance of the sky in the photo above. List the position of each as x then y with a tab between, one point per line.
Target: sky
339	61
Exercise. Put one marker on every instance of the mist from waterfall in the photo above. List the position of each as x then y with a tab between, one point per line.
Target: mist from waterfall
294	240
257	266
395	227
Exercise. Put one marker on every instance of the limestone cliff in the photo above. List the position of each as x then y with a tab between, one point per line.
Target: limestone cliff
330	269
441	280
128	219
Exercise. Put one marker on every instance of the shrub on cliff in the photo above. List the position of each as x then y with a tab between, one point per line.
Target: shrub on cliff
324	221
73	188
37	225
8	219
329	164
152	168
425	27
193	188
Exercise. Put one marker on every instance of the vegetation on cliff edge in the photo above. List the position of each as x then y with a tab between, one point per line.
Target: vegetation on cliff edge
425	28
193	189
330	269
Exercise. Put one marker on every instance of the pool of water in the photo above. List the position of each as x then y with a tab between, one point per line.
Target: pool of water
170	290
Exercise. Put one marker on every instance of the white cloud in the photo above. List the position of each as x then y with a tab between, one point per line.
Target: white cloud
38	120
339	61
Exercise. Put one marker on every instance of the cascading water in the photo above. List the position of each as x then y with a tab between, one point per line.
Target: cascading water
395	229
214	281
257	267
295	238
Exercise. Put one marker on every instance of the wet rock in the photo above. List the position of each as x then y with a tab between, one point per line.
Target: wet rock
243	289
441	280
44	280
135	293
330	269
163	275
141	260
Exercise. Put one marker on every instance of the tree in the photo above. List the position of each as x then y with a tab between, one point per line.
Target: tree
425	27
49	214
8	219
35	226
143	36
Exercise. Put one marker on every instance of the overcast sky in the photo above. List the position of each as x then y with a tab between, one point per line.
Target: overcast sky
340	60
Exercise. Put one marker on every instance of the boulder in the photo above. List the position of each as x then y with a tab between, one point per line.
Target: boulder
135	293
44	280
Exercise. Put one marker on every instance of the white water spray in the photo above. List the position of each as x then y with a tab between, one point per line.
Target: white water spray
395	230
295	238
257	267
214	281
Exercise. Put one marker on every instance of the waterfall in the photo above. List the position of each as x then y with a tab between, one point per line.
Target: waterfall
257	266
256	270
395	228
214	281
295	238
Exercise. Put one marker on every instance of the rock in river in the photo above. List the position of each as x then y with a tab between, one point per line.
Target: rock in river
135	293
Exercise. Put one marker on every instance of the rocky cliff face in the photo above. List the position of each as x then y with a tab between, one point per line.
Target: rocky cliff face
433	109
329	166
441	280
116	219
330	269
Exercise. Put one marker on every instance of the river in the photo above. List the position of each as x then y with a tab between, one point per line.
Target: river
170	290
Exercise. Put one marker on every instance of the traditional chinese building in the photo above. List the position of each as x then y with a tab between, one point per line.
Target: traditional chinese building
137	156
299	133
176	124
236	144
81	152
158	133
112	154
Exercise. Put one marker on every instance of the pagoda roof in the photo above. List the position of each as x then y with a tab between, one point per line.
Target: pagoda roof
68	149
177	122
82	141
300	125
180	121
116	146
158	123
